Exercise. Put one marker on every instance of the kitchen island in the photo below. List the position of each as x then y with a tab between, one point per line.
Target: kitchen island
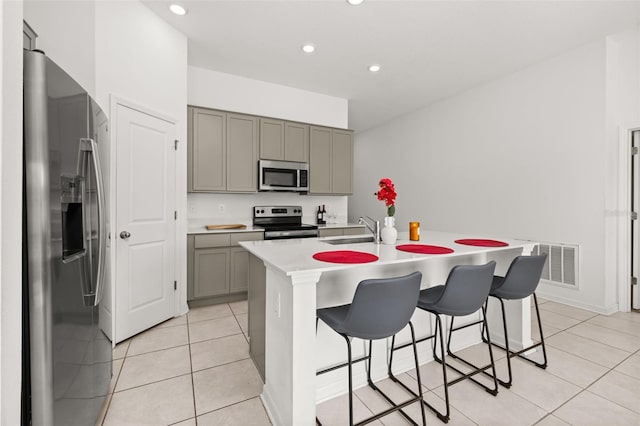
295	285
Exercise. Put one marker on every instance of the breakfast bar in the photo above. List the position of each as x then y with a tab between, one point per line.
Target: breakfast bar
296	284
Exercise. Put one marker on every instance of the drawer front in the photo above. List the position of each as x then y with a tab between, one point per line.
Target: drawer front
331	232
356	230
212	240
246	236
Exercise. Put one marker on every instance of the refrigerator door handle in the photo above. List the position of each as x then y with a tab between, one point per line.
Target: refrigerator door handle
90	146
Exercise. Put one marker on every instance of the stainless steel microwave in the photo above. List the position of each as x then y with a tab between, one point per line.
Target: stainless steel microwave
283	176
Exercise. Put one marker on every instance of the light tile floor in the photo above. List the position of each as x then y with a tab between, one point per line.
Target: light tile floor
195	370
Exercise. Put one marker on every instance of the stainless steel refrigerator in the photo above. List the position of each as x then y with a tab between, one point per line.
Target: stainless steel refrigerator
67	356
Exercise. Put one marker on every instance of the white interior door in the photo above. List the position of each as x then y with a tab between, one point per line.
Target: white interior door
145	221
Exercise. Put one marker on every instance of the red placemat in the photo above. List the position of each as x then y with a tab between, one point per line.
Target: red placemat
481	243
345	256
424	249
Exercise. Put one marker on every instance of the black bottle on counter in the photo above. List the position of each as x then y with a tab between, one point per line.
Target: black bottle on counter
319	216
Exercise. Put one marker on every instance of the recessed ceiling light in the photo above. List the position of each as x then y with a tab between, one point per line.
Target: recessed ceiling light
308	48
178	10
355	2
374	68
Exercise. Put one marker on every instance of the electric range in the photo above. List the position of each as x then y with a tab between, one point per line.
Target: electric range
282	222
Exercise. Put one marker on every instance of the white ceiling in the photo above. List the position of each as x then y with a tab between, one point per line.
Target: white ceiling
428	50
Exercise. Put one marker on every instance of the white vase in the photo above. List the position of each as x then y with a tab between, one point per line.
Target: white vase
389	233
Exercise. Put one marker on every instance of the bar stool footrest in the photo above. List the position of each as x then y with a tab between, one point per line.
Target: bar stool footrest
443	417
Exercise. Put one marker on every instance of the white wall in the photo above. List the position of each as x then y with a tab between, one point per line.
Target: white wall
623	113
523	157
143	60
204	209
66	34
229	92
10	210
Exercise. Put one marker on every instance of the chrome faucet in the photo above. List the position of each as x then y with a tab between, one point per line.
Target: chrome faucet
373	226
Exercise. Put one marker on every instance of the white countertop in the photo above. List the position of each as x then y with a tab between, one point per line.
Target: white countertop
198	226
296	256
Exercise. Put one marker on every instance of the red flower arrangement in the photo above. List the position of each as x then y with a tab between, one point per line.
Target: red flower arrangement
387	193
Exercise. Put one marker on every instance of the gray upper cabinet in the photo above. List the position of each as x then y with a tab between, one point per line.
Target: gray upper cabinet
319	160
271	139
206	150
296	142
222	151
342	162
330	161
283	140
242	153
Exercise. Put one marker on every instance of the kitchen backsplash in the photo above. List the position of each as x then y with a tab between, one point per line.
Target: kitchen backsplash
224	208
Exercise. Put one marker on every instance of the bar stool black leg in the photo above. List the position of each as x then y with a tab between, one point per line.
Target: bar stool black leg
349	368
506	384
493	391
415	357
542	365
477	369
511	354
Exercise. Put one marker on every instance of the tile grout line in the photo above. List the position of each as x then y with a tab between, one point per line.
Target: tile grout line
586	322
193	386
582	390
222	365
231	405
157	350
115	384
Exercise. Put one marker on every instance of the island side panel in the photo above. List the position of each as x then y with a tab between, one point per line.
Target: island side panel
256	312
290	343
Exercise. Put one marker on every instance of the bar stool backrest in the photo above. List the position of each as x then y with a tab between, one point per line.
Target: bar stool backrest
466	289
382	307
522	277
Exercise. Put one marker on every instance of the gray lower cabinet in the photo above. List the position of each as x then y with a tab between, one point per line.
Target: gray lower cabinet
257	309
222	151
330	161
217	267
239	266
211	272
338	232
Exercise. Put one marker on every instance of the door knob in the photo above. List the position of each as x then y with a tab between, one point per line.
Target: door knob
124	235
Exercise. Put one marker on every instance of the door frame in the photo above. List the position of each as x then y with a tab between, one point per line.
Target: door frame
624	237
180	301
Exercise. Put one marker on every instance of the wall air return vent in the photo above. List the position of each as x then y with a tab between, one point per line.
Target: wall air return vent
561	267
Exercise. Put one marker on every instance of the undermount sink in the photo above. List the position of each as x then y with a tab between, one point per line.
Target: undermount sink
350	240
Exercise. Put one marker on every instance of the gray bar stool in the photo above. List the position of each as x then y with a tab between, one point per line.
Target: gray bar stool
521	281
380	309
464	293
